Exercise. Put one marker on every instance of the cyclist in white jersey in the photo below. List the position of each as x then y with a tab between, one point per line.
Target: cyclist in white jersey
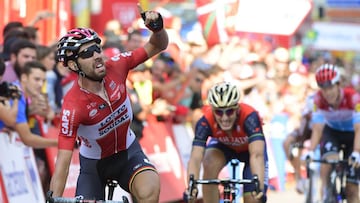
97	111
336	122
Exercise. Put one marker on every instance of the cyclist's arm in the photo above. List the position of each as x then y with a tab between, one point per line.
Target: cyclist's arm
157	43
58	181
357	137
197	154
317	129
257	165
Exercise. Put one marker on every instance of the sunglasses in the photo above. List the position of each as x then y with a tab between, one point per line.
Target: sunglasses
89	52
228	112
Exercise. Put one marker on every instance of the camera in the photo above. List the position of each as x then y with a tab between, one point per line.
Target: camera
9	91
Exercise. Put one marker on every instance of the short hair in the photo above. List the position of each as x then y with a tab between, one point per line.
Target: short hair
42	51
10	26
21	44
132	33
2	67
29	66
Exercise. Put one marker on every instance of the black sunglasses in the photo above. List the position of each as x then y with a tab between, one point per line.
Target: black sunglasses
89	52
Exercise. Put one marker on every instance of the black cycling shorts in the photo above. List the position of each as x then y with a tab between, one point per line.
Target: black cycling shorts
330	143
122	167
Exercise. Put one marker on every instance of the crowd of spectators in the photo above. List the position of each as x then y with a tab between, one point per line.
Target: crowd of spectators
172	86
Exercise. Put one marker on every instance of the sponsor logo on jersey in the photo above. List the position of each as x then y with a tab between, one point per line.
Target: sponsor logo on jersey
65	122
116	57
357	108
102	106
93	112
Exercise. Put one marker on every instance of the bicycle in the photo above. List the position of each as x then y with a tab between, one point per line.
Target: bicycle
337	182
228	184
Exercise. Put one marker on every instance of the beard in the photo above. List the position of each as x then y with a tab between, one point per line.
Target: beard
18	69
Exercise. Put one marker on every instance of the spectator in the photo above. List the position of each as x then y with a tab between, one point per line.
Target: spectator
21	52
32	80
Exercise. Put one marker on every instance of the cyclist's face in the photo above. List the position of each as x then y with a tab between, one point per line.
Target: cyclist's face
225	117
91	60
331	94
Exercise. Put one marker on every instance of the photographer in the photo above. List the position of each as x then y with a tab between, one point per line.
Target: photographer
9	95
14	99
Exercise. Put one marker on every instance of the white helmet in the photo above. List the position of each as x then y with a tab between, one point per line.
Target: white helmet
223	95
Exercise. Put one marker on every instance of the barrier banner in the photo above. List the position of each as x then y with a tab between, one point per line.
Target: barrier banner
19	173
160	148
51	153
3	197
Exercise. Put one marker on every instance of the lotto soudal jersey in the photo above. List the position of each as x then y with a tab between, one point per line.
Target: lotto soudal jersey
247	129
341	118
102	127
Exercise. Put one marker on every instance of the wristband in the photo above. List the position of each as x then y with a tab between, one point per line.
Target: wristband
156	25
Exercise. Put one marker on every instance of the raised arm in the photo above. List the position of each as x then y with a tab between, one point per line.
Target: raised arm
159	38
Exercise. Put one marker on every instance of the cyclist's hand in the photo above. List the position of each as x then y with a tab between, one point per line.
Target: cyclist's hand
190	196
354	159
49	197
308	156
257	195
152	19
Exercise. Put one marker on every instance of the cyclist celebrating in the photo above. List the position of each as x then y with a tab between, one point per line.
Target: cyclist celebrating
336	122
97	110
236	133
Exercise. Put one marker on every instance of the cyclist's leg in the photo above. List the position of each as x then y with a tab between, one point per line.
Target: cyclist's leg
248	188
352	178
329	149
89	184
294	159
214	160
140	177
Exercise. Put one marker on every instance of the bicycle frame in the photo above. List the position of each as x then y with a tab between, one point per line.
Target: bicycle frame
336	185
228	185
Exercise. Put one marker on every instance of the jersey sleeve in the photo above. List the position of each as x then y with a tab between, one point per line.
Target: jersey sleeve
317	115
202	132
68	127
356	102
253	127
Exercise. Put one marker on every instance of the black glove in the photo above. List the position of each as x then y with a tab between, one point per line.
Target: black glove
156	25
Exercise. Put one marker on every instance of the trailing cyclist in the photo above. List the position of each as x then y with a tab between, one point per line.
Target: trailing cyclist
236	132
336	122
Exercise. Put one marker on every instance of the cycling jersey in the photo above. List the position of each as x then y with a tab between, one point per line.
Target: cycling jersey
248	129
344	117
103	128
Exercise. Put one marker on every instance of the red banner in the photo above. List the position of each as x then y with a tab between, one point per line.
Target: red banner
159	146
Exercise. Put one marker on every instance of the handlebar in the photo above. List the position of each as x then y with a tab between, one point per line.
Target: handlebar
50	199
224	182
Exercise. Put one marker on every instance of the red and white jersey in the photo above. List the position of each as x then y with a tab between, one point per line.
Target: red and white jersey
102	129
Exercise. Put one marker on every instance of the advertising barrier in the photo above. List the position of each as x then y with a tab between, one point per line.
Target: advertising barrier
19	180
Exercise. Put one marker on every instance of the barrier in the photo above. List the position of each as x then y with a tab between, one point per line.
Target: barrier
19	180
158	144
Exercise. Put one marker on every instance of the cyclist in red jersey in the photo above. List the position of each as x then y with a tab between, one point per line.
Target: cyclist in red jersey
335	123
97	111
236	133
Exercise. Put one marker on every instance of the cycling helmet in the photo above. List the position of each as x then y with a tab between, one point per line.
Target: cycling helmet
327	75
223	95
72	42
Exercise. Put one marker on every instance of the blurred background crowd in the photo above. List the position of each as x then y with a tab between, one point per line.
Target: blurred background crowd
275	70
